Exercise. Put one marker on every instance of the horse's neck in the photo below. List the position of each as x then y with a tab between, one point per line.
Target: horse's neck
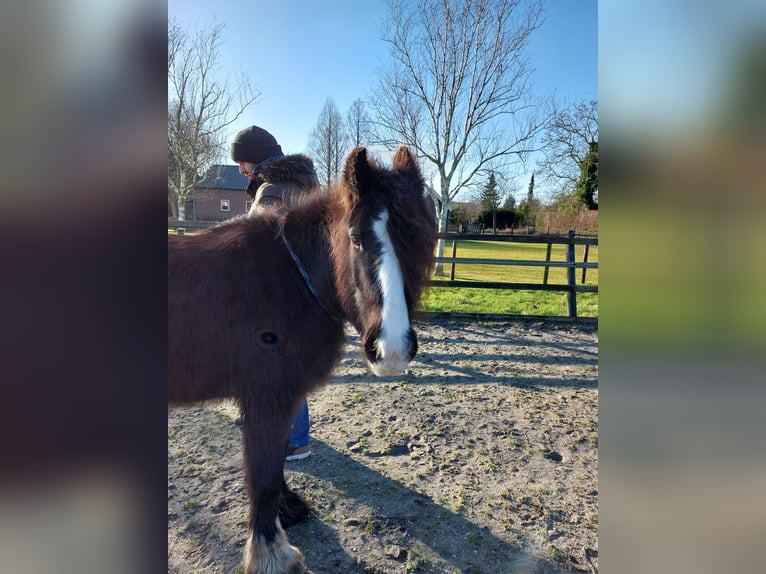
308	229
307	223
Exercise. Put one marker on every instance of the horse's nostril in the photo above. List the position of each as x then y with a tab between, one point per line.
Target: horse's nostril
413	347
371	348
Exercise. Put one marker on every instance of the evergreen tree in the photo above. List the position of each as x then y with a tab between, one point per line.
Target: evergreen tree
586	189
526	212
490	200
522	213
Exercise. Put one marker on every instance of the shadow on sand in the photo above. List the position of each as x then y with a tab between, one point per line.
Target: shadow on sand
413	532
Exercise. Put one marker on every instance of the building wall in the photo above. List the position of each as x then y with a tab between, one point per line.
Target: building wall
207	203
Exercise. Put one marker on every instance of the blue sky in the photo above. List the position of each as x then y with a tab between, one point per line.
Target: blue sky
298	53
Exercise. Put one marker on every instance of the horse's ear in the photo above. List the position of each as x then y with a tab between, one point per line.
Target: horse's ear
404	162
357	171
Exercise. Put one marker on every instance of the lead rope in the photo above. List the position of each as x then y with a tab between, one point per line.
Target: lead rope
304	273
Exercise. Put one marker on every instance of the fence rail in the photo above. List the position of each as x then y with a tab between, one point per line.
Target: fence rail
178	225
516	262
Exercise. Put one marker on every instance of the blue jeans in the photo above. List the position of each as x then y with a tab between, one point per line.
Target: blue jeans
299	434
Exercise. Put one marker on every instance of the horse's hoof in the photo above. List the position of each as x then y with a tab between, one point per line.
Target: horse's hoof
279	557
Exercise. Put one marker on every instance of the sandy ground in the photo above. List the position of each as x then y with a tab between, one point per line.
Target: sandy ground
481	458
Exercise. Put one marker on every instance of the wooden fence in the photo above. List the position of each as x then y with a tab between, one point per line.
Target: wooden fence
571	288
181	226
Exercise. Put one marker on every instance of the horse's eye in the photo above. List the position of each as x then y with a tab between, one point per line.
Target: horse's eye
354	238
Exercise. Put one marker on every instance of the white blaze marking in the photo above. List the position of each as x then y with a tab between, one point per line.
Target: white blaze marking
393	343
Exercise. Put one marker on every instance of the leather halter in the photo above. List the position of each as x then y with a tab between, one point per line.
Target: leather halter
304	273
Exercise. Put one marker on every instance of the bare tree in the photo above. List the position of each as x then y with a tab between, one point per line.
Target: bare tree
327	142
567	141
357	124
201	106
458	88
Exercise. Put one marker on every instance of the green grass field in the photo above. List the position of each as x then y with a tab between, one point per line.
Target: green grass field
504	301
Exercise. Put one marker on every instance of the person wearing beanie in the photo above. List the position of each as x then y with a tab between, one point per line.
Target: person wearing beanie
274	180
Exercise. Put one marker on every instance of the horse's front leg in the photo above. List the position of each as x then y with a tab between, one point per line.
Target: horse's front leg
267	550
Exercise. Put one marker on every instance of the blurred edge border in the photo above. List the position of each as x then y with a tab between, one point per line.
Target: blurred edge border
682	318
82	294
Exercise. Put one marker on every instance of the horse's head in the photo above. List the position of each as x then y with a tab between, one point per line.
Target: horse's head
383	253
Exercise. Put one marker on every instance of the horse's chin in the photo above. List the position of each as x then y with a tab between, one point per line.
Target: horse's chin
385	369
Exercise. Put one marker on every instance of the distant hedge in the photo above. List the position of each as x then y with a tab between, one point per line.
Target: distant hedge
505	219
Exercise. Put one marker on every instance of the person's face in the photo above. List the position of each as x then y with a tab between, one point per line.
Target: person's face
246	168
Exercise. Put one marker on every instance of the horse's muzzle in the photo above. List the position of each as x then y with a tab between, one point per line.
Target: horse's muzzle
389	355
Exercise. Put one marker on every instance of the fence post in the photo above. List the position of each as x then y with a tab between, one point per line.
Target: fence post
547	260
571	294
584	260
452	268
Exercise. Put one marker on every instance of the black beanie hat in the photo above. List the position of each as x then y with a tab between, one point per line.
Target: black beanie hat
254	145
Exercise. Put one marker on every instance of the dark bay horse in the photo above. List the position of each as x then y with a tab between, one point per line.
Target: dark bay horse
256	311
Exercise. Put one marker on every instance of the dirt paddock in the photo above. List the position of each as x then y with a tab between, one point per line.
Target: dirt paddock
481	458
